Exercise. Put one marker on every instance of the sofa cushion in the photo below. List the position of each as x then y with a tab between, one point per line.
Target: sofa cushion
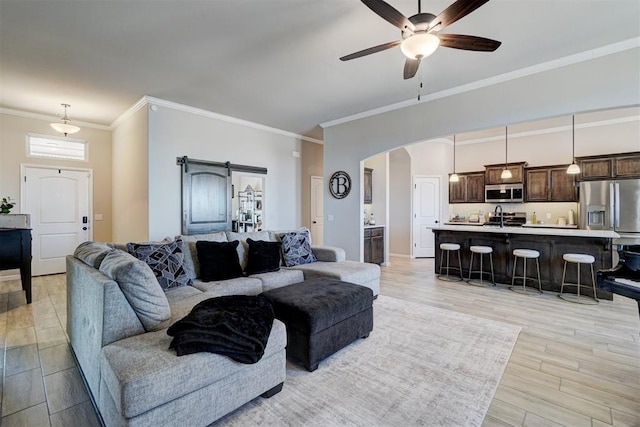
166	260
92	253
296	248
244	246
262	257
191	263
360	273
280	278
140	288
218	260
237	286
141	373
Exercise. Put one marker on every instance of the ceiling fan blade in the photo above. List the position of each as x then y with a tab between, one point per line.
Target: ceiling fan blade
455	11
410	68
371	50
459	41
389	13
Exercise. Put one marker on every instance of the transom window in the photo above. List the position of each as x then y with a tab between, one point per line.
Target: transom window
56	147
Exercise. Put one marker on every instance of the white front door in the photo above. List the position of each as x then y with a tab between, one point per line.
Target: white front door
426	213
58	201
317	211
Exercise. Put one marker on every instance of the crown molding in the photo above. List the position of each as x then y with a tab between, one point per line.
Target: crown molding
556	129
150	100
588	55
49	118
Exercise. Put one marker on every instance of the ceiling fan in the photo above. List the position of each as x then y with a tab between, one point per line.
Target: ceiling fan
419	32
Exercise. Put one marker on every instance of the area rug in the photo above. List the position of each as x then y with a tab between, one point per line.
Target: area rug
421	366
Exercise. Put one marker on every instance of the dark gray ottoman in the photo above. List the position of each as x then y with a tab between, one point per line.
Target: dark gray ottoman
322	316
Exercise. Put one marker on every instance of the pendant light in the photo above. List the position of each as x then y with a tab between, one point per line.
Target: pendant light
454	176
506	173
65	127
573	168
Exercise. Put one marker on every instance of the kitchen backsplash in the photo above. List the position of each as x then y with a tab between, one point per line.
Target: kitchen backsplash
545	212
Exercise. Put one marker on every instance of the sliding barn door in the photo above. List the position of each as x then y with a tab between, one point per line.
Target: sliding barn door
206	198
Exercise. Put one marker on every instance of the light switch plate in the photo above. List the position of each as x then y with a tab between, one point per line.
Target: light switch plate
98	217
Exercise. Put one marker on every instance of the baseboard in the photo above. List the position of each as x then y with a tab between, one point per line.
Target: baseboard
400	255
6	278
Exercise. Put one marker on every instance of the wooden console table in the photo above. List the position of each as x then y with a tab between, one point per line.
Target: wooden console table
15	252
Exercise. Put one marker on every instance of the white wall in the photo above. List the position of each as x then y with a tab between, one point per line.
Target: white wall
175	133
131	179
563	91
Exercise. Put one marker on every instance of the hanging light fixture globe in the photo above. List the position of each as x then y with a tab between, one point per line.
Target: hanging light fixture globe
64	126
573	168
506	173
454	176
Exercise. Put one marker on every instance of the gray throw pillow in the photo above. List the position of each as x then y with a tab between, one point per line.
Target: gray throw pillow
296	248
140	288
166	260
92	253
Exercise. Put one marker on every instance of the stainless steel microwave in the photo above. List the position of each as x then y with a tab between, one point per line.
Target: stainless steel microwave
504	193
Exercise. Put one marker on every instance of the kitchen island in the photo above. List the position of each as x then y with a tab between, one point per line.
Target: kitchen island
552	243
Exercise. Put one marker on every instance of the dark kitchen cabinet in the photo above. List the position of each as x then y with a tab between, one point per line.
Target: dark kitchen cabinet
368	186
493	172
374	245
469	189
622	165
550	184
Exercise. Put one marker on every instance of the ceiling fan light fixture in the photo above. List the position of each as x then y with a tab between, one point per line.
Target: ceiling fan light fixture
64	127
419	45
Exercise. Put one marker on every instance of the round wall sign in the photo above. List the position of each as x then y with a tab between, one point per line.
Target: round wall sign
340	184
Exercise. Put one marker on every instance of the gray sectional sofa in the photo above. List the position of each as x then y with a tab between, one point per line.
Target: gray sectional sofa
117	323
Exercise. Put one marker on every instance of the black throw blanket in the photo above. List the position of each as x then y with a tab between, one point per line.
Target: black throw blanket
237	326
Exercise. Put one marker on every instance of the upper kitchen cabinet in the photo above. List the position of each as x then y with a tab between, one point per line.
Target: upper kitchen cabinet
368	186
493	172
469	188
623	165
550	184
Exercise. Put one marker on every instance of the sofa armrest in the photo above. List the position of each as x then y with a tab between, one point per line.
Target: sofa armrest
329	253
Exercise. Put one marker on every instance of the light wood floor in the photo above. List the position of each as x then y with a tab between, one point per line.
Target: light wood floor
572	365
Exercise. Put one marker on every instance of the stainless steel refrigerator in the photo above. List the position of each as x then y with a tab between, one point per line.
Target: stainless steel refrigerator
612	205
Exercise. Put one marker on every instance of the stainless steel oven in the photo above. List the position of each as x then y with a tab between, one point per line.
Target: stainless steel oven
504	193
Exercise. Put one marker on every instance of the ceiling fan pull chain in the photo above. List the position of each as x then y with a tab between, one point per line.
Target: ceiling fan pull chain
420	83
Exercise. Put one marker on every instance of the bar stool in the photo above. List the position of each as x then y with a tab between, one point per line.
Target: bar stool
481	250
448	247
525	254
579	259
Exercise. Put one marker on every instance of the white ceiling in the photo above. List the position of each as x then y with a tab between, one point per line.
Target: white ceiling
273	62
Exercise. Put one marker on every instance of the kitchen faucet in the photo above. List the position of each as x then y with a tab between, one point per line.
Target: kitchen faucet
501	215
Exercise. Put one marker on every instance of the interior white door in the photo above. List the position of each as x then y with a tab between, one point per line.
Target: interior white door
426	213
58	201
317	210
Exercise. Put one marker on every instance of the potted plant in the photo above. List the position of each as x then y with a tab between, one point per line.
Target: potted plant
6	205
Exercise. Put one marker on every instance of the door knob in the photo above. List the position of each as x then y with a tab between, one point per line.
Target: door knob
315	222
84	228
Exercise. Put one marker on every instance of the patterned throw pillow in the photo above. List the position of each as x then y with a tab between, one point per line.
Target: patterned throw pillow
296	248
166	261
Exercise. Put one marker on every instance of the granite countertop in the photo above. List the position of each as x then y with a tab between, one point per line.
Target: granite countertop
571	232
374	226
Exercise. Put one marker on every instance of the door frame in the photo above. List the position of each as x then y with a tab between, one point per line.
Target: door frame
23	170
412	213
311	198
